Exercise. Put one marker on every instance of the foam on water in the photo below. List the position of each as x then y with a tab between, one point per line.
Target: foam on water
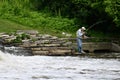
5	56
57	68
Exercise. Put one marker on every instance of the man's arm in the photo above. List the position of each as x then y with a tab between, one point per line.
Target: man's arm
84	36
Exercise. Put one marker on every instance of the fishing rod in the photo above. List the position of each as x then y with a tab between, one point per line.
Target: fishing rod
95	24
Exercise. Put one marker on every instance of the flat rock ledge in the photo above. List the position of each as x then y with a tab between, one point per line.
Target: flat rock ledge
44	44
38	44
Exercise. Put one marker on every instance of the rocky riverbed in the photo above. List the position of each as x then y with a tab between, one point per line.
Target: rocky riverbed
30	42
38	44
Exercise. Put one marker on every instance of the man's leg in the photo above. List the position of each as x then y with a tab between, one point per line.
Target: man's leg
79	44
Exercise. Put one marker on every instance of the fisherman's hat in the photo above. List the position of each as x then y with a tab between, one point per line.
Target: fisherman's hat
83	28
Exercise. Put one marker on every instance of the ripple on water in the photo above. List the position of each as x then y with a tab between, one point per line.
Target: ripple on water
58	68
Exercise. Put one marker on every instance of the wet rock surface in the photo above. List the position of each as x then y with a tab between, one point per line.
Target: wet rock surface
44	44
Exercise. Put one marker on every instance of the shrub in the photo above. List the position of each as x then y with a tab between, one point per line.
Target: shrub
17	40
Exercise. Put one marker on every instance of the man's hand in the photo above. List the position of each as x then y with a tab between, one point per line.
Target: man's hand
83	33
85	37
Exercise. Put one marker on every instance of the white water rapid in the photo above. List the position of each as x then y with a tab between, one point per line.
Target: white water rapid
57	68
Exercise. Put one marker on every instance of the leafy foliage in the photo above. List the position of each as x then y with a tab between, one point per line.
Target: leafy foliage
55	16
113	9
21	37
17	40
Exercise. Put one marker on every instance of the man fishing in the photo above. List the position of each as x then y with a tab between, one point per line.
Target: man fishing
80	35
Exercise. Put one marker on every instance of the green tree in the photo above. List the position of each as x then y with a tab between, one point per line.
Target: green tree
113	9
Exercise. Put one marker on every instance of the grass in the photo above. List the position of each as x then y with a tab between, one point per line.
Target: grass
9	26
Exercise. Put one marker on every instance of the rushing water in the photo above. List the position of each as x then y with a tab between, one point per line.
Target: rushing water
57	68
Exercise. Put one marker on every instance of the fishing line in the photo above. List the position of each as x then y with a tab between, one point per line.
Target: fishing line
95	24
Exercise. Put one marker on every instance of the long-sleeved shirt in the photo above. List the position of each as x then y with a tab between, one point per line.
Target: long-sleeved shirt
79	33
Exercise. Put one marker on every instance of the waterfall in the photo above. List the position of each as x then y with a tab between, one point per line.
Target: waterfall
16	50
2	55
6	56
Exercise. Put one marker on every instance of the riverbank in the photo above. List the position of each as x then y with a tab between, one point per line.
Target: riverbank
32	43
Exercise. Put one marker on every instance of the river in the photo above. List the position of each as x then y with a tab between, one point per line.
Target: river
14	67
